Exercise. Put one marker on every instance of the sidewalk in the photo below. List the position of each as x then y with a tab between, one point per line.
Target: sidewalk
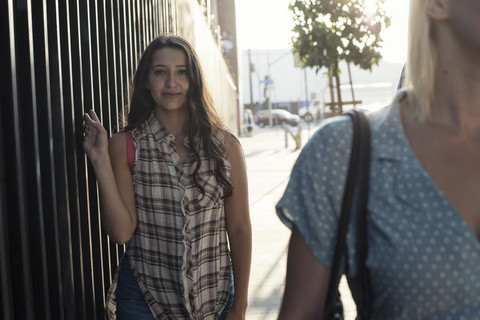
269	164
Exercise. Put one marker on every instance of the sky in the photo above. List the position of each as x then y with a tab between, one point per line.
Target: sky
267	24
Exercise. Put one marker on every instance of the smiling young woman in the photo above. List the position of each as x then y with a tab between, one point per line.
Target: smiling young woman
173	187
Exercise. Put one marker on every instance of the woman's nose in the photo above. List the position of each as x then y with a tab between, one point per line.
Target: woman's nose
171	80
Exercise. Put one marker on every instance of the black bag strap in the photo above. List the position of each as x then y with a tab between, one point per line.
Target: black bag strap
354	203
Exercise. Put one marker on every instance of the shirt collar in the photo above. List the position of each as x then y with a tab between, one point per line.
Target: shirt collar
389	139
160	133
156	129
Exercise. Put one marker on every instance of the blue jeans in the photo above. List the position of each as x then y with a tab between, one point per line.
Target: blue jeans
130	301
229	304
131	304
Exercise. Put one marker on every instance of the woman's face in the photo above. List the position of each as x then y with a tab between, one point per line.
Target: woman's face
168	81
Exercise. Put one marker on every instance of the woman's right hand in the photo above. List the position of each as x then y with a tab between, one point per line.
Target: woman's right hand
95	140
117	196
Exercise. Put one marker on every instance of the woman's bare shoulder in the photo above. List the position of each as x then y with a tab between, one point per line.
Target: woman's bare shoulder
232	144
117	146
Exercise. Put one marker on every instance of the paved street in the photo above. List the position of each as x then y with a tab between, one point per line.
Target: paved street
269	164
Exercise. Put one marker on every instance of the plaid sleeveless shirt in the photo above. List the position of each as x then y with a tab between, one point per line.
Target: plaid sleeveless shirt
179	251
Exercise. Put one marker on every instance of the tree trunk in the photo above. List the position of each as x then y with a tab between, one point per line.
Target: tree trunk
332	95
339	91
351	85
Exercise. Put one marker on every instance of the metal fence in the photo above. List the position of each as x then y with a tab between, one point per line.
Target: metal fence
58	60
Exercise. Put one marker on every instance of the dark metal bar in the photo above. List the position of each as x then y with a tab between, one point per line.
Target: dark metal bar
16	175
60	99
6	308
130	36
71	102
86	179
53	163
103	272
42	230
6	292
47	164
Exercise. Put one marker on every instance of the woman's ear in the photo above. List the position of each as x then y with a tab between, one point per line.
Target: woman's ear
438	9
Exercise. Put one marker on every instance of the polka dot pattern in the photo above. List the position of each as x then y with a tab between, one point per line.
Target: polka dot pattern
424	259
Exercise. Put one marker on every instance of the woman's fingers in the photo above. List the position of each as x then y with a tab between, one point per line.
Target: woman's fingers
88	123
87	118
95	141
92	123
93	115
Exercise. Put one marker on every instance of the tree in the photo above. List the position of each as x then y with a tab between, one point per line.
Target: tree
329	31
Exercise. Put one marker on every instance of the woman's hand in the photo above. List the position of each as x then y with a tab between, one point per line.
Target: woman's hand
95	140
109	161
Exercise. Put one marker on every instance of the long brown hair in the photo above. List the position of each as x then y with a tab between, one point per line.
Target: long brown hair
203	120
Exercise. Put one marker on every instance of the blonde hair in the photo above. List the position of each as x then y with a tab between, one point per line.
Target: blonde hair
421	60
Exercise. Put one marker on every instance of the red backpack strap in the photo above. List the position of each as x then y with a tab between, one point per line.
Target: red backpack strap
130	149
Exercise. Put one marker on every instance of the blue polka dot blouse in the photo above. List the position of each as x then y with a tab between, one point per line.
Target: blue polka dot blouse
423	258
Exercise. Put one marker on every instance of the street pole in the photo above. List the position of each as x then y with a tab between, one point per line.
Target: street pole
270	117
268	82
266	91
306	85
250	77
306	99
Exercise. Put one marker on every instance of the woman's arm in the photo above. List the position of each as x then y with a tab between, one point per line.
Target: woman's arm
109	160
239	228
306	283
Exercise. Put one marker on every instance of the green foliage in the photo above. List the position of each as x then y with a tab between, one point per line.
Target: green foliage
329	31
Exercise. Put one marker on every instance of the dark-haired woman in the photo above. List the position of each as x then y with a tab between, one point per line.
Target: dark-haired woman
173	187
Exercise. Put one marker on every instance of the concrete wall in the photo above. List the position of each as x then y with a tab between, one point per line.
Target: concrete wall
193	25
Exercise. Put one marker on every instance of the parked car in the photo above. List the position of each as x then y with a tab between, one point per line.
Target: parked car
279	117
312	112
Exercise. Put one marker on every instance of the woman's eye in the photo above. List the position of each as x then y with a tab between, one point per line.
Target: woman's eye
159	72
182	72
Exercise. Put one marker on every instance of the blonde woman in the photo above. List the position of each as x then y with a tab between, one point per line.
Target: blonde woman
424	193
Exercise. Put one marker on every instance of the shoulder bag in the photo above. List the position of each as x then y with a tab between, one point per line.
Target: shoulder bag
354	203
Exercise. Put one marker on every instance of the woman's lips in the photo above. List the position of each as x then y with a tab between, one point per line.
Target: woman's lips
171	95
